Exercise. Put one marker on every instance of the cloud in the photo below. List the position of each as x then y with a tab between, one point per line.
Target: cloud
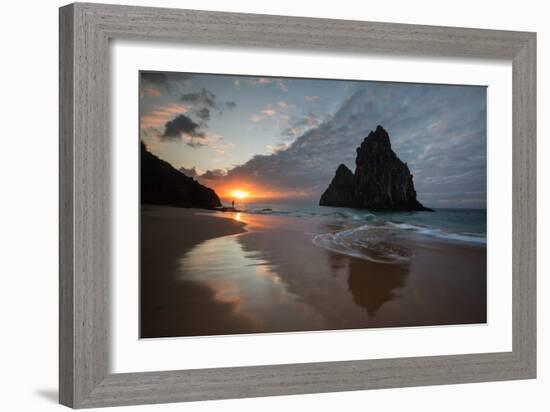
281	85
283	105
203	96
194	141
192	172
262	81
311	119
183	126
298	126
161	115
440	131
151	91
311	98
164	79
292	131
203	114
186	120
205	100
213	141
268	111
158	78
275	148
214	174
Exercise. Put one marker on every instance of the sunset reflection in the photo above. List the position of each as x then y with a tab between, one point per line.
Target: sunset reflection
250	283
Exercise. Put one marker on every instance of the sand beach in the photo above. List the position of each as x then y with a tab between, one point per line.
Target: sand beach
213	273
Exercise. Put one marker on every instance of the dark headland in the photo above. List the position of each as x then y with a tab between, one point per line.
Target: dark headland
381	180
162	184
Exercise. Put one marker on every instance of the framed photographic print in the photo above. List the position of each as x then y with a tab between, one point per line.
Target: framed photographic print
258	205
297	241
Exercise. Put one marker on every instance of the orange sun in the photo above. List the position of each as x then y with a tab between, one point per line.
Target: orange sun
239	194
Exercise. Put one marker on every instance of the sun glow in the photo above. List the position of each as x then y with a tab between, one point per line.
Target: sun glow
239	194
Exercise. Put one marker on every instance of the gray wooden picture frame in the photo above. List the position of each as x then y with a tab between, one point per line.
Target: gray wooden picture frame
85	32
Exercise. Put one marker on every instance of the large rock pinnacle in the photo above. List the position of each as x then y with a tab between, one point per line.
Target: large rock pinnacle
381	180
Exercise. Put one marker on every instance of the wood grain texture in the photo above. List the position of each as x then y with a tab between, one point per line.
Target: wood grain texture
85	31
524	226
66	308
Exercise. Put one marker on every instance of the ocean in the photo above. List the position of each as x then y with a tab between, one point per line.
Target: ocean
377	235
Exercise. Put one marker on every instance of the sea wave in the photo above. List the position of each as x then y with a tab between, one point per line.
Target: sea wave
467	237
342	214
365	242
384	242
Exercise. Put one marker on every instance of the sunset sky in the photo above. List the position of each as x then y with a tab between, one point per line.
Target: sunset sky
281	139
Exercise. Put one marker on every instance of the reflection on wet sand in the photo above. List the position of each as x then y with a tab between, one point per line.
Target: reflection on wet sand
283	282
272	278
247	279
170	306
370	290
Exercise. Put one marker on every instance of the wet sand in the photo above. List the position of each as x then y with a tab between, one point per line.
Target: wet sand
170	306
206	273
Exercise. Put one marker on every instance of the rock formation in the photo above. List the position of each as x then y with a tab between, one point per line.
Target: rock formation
161	184
341	191
381	180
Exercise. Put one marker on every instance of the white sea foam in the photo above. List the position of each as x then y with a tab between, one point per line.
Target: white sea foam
376	244
383	242
438	233
381	236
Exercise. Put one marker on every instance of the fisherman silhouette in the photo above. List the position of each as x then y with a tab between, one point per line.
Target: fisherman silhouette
233	204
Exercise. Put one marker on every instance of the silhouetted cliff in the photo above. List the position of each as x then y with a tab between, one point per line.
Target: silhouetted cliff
341	190
381	180
161	184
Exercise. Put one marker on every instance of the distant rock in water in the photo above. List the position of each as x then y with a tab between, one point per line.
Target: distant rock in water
341	191
381	180
161	184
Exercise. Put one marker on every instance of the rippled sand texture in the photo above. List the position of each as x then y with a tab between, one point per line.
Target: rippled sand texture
226	273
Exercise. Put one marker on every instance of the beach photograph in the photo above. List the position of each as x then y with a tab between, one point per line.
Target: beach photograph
279	205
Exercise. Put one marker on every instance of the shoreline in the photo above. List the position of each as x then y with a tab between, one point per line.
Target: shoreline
198	280
166	234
